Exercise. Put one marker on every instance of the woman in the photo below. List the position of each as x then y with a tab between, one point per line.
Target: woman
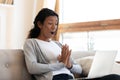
47	59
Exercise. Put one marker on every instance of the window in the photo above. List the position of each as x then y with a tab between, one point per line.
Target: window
98	25
88	10
93	40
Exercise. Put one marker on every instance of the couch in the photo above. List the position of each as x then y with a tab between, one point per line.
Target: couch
13	67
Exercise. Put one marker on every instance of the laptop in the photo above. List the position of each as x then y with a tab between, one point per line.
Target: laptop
102	63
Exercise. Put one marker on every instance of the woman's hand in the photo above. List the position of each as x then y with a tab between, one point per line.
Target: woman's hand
69	64
65	56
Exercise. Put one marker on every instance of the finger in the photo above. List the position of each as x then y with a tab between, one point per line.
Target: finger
67	49
69	54
64	50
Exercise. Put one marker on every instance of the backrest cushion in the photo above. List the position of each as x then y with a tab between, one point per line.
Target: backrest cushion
12	65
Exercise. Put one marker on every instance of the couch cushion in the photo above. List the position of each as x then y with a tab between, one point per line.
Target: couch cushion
81	54
116	68
85	63
12	65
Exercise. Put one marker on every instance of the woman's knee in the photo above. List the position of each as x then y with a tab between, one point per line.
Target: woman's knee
111	77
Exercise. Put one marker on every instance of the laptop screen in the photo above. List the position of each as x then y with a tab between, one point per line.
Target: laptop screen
102	63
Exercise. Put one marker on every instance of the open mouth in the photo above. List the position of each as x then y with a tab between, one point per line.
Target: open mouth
52	32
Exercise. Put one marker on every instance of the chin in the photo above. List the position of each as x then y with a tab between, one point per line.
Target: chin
50	36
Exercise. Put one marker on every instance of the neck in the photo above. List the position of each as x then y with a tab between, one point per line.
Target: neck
44	39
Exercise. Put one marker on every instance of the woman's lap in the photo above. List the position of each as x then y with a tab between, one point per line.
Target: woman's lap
107	77
62	77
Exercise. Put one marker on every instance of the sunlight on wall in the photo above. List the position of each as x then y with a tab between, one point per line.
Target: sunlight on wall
6	23
23	16
2	28
49	4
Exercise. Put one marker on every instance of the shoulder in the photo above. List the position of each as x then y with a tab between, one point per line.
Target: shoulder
30	41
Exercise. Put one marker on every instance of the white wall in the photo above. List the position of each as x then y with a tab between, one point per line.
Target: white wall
6	22
23	16
18	20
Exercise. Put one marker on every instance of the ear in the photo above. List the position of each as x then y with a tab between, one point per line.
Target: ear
39	24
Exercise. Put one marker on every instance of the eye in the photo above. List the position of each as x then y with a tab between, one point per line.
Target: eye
50	23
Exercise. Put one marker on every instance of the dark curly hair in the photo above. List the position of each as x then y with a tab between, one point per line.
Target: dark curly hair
41	16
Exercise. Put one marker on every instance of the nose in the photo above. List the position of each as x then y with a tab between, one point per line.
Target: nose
54	27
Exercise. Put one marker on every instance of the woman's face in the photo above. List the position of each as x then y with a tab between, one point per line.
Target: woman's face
48	28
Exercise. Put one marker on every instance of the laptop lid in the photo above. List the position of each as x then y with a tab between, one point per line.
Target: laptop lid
102	63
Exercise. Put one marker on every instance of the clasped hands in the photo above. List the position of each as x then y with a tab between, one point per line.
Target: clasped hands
65	56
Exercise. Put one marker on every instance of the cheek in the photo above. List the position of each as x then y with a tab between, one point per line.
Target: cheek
46	29
56	27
